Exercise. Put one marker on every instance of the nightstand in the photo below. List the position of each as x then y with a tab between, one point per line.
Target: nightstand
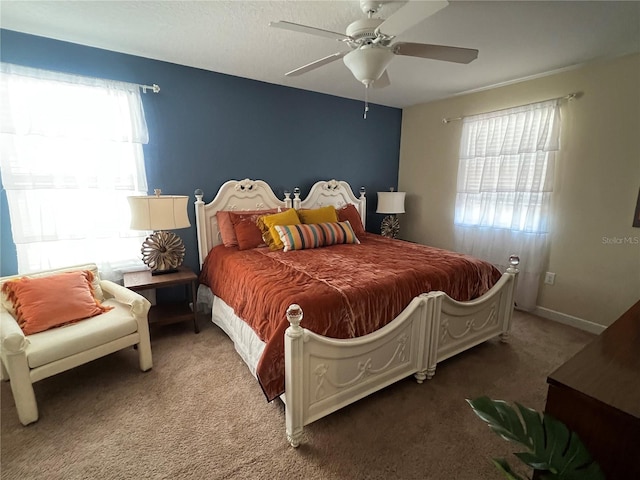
167	312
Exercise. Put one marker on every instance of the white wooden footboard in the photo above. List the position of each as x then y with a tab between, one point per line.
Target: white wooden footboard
323	375
458	326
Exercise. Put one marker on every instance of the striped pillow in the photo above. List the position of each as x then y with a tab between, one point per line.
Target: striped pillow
314	235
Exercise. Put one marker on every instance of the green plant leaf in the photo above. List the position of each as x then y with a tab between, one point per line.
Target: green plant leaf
553	449
577	457
502	465
551	476
511	422
534	461
558	436
485	408
501	418
591	472
534	427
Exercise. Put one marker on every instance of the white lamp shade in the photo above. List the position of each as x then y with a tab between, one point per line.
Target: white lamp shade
368	63
391	202
164	212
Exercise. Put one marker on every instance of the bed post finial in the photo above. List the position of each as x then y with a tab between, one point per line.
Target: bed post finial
514	261
296	198
294	316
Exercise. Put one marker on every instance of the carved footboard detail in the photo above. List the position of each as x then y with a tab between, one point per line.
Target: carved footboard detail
458	326
460	329
323	375
364	369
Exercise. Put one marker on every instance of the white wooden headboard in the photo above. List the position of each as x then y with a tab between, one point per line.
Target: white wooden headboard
336	193
250	194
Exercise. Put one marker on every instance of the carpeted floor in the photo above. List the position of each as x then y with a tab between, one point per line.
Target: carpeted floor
199	414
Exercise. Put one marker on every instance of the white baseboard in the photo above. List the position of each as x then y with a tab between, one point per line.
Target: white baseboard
580	323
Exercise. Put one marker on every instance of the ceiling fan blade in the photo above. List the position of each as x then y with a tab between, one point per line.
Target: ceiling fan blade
383	81
409	15
296	27
313	65
436	52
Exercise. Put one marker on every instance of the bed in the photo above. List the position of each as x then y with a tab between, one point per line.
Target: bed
377	311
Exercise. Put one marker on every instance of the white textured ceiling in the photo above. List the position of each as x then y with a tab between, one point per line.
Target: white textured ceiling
516	39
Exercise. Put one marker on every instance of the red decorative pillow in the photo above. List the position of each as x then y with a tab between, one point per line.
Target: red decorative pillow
227	234
226	227
247	233
350	213
54	300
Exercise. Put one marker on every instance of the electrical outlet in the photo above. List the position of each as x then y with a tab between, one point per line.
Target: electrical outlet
549	278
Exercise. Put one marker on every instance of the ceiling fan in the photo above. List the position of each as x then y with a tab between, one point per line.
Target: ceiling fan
370	41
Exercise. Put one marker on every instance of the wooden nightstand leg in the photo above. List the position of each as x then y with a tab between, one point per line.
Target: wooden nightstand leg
194	288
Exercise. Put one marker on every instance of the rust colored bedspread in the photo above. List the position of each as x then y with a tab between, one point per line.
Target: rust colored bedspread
345	291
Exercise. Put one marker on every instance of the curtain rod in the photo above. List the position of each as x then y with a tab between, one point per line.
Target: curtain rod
155	88
6	67
568	97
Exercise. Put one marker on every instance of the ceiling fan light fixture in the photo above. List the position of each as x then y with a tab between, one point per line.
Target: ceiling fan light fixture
363	29
368	63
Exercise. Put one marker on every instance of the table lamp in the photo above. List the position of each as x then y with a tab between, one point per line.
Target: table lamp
391	203
162	251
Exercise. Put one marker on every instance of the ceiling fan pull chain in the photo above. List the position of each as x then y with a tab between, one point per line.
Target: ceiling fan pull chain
366	101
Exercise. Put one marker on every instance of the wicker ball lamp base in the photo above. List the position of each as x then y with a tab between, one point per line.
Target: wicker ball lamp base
163	252
390	226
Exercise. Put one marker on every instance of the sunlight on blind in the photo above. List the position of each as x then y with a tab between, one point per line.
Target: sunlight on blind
71	153
505	182
505	176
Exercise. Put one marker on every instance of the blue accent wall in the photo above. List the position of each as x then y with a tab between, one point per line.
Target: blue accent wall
206	128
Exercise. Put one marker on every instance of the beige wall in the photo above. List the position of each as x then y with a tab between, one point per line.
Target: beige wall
595	252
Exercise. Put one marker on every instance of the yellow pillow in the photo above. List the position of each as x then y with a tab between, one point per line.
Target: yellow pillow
318	215
266	224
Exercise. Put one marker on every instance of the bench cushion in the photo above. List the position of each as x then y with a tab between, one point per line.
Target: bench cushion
57	343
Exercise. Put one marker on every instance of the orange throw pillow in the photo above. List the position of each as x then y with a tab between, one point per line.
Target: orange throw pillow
47	302
247	233
226	227
350	213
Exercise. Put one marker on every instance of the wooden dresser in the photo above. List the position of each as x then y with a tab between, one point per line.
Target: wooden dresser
597	394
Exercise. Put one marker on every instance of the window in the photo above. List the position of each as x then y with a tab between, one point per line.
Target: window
71	153
505	181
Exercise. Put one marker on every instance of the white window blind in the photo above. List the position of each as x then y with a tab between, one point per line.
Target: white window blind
505	181
71	152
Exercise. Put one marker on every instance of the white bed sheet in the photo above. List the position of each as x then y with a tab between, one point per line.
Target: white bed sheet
244	339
